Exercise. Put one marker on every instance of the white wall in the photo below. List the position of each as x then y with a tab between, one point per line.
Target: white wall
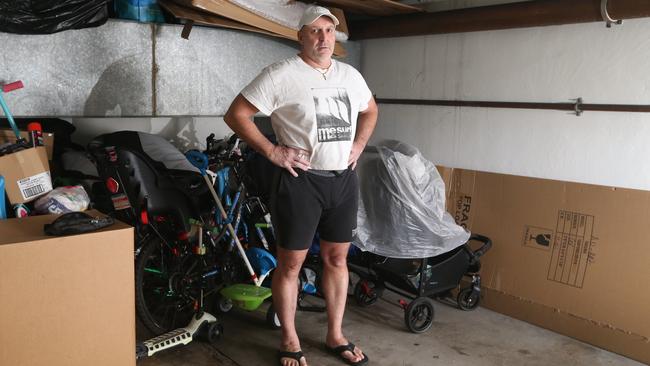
543	64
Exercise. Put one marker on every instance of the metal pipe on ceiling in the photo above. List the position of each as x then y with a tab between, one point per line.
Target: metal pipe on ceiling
505	16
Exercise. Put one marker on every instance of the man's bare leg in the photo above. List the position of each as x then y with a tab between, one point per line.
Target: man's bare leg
285	297
335	288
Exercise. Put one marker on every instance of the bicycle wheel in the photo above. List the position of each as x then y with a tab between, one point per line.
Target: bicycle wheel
168	286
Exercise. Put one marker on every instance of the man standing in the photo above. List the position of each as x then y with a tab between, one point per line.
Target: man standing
323	114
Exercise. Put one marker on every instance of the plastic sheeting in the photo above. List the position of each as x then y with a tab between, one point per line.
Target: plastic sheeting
402	205
285	12
51	16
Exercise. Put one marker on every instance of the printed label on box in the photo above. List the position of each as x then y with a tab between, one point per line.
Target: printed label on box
537	237
35	186
462	210
571	248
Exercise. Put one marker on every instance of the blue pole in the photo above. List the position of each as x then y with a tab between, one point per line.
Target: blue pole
3	207
9	116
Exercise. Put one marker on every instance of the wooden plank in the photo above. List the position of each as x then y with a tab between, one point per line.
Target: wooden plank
505	16
200	17
373	7
343	24
234	12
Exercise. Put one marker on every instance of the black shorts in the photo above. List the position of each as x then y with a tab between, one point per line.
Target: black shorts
310	203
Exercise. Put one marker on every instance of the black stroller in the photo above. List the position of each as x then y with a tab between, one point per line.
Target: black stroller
420	280
410	244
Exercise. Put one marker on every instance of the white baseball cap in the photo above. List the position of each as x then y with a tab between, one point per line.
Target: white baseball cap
314	12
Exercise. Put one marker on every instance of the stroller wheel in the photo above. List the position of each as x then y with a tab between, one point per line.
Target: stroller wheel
366	292
468	299
418	315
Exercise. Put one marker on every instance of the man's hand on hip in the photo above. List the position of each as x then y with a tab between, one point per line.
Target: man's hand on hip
289	158
355	152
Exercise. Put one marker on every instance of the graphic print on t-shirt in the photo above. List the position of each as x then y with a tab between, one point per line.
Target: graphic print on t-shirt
333	114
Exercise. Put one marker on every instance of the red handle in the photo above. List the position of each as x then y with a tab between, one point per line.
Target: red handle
12	86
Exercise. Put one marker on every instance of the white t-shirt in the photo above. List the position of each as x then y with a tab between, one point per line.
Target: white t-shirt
310	111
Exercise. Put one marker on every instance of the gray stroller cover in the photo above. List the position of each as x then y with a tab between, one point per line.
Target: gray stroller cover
402	205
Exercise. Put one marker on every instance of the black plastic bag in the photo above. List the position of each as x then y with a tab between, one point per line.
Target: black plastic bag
51	16
73	223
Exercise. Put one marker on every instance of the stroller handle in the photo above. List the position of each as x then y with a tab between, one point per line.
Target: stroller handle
487	244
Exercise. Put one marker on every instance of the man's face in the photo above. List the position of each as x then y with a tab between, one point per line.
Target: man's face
317	39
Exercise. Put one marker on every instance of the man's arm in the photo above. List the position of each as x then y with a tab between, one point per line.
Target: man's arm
365	125
239	119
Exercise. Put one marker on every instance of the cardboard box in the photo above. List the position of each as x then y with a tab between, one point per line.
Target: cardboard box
569	257
27	174
66	301
48	140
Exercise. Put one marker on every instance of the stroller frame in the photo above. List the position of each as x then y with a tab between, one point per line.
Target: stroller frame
420	280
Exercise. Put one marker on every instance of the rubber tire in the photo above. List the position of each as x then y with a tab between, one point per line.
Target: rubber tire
155	324
215	330
364	299
272	318
468	299
353	279
419	314
224	304
146	249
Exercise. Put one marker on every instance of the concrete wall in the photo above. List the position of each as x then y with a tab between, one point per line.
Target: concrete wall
120	75
545	64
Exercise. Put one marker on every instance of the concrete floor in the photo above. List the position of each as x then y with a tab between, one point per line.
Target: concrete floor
480	337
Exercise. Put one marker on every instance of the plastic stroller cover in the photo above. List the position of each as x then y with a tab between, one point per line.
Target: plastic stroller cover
402	205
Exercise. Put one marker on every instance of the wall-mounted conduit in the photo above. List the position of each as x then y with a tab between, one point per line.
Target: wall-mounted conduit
576	107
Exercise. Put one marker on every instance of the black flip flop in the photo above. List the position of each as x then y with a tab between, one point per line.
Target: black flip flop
286	354
338	352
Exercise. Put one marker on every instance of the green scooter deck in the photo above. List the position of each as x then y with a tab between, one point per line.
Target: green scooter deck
247	297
